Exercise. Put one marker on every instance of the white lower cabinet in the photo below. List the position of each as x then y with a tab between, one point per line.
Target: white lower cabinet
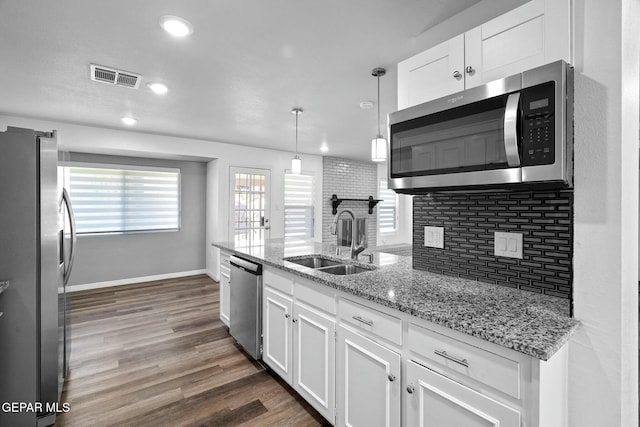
276	332
368	382
360	364
299	345
314	358
225	290
434	400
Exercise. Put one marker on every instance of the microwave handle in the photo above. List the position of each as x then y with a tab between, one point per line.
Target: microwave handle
511	129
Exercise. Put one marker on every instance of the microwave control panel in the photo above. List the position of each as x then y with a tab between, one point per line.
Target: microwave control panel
538	125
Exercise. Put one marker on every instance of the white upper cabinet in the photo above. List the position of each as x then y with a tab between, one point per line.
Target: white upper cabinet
534	34
432	74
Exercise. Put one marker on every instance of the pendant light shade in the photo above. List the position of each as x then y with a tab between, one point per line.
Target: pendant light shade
379	149
296	165
296	162
378	144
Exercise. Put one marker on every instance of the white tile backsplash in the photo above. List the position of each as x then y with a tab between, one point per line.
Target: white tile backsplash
350	179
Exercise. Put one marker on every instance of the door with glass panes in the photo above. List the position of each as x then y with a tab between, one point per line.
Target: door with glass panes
249	217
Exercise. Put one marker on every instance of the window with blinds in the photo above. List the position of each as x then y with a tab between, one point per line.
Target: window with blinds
387	208
122	199
298	206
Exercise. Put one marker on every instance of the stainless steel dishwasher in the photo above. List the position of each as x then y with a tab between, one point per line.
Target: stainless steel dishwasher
245	323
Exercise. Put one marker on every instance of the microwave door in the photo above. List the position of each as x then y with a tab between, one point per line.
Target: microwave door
471	145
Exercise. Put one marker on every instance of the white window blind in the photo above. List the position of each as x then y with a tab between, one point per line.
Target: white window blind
298	206
387	208
118	199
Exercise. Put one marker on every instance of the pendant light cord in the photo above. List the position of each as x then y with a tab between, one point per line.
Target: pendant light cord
297	132
378	77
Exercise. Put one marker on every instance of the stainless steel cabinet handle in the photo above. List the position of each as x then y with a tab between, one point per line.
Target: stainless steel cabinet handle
470	69
457	75
410	389
444	354
391	377
511	129
362	320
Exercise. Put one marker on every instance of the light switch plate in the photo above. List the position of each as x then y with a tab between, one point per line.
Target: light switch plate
507	245
434	237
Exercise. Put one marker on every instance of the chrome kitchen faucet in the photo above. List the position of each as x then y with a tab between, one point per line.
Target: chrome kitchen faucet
355	251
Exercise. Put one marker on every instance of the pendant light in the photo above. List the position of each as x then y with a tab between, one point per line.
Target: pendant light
378	144
296	162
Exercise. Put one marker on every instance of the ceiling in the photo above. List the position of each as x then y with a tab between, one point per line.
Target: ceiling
234	80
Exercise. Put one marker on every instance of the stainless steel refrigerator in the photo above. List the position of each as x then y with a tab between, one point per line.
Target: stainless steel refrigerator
37	236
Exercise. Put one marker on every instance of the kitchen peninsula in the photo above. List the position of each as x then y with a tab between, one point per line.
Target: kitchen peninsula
499	350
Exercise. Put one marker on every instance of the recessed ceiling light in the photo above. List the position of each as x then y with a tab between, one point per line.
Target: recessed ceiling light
129	121
158	88
324	147
176	26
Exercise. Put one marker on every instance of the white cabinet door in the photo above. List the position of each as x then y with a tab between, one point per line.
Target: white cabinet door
314	358
276	332
431	74
529	36
225	300
434	400
368	382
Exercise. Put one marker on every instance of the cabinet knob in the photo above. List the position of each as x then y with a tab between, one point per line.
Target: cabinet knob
391	377
457	75
286	316
410	389
470	69
295	320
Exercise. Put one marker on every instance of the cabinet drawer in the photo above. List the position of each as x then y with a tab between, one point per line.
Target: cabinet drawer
277	280
491	369
371	320
314	297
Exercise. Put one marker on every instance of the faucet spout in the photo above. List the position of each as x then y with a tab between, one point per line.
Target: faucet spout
355	250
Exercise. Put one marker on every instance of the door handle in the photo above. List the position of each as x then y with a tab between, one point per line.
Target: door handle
72	222
511	129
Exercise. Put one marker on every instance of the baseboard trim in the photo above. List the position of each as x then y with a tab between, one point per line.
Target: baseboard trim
108	284
212	276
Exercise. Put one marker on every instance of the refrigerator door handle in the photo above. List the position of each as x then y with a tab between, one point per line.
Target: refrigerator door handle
72	221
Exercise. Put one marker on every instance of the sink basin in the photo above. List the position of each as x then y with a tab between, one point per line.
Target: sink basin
314	261
344	269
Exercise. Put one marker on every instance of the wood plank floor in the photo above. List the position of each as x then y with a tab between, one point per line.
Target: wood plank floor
156	354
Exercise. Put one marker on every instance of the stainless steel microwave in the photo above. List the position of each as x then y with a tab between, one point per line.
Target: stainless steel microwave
507	133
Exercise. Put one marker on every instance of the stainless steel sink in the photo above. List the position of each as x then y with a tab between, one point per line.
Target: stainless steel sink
327	265
314	261
344	269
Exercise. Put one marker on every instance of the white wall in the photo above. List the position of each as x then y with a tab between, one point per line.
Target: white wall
88	139
603	357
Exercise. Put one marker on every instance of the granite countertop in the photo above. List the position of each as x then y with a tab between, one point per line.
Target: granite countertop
533	324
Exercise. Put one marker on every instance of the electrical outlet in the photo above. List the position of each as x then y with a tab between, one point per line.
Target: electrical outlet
434	237
507	245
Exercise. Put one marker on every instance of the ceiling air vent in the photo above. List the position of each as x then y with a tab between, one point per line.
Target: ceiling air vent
115	77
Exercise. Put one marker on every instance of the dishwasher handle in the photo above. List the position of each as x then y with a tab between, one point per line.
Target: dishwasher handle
246	265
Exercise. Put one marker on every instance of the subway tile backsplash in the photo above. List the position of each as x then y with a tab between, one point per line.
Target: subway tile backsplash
545	219
349	179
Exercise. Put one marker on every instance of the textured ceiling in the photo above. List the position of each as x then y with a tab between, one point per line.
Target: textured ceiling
235	79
